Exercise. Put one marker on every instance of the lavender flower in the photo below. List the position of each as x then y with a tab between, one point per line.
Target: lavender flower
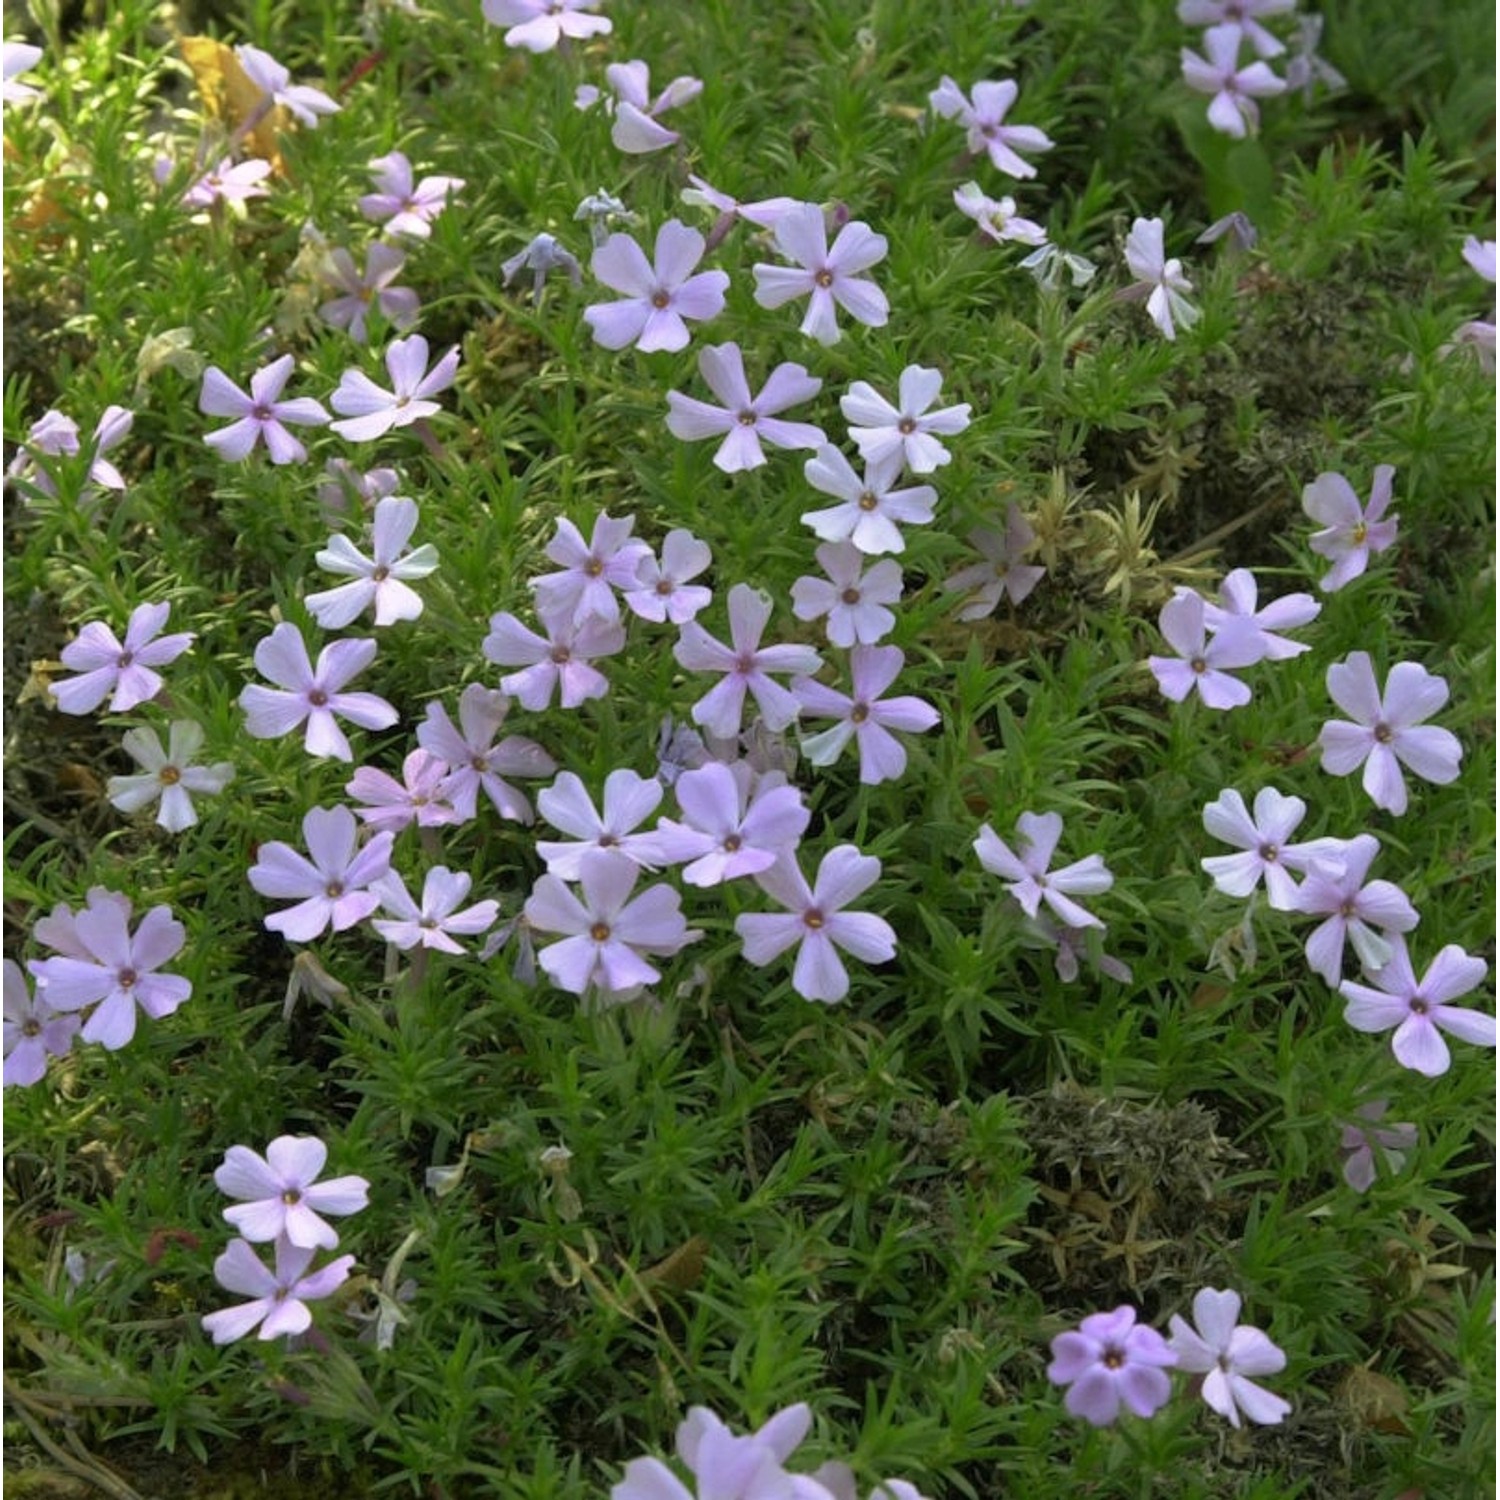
361	290
53	435
1386	731
1419	1010
817	923
662	591
260	415
123	673
592	570
1241	15
282	1193
629	800
827	276
20	59
559	661
743	420
280	1298
746	666
108	968
881	431
865	716
1305	69
637	130
420	797
1358	1144
1227	1354
274	81
1335	889
33	1031
852	597
1027	875
1159	281
1109	1362
997	217
1267	854
314	695
869	509
229	182
331	888
1201	663
539	25
1232	109
984	119
1352	534
1236	610
476	761
736	823
431	923
404	207
380	579
370	411
1003	574
168	775
658	298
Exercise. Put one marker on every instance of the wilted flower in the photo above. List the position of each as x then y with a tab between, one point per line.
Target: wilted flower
1109	1362
168	775
53	435
1358	1144
541	255
603	211
827	277
123	673
1226	1353
1242	233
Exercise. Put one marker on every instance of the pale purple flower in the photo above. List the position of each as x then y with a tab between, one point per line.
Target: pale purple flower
168	775
1420	1011
737	823
881	431
476	761
1159	281
361	290
1358	1144
432	923
869	510
592	570
1236	610
19	59
380	579
1264	839
1232	109
997	217
402	205
764	213
1028	877
1069	944
53	435
746	666
657	297
606	935
268	75
852	598
742	419
280	1298
420	797
259	415
816	922
827	276
725	1464
58	930
229	182
123	673
370	411
1227	1353
108	968
984	119
282	1194
864	715
331	888
344	486
1352	533
629	800
1480	255
637	128
1305	69
314	695
33	1030
539	25
1112	1361
1003	574
1243	235
1241	15
662	591
1387	730
1201	663
542	254
559	661
1355	912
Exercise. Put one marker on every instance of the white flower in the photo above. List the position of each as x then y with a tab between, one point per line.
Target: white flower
168	775
379	579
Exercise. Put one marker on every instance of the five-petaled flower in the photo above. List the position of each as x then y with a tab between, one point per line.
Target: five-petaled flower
637	130
1027	875
280	1297
662	591
261	414
1241	15
1003	574
591	570
33	1030
420	797
1232	109
1159	281
405	207
997	217
379	579
1419	1009
1267	854
560	660
331	888
168	775
1334	888
658	297
229	182
1352	534
282	1195
1386	731
1236	609
881	431
736	824
1227	1353
984	119
864	715
816	922
743	420
431	922
475	760
369	411
869	508
826	275
311	694
1110	1361
371	288
1202	663
852	597
123	673
629	799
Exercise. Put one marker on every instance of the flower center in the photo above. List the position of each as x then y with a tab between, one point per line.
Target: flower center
380	574
428	922
813	918
733	843
31	1027
291	1197
1269	852
593	567
859	713
824	278
1418	1005
318	698
334	889
479	763
169	775
850	596
660	299
125	659
261	412
744	663
599	932
608	841
907	425
1347	909
1198	665
664	586
1360	532
867	501
1383	734
1112	1358
1002	567
561	655
126	978
746	418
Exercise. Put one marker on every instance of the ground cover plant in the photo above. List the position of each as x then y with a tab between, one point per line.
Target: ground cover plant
749	749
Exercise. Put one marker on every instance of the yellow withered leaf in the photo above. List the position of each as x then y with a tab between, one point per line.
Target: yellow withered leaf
229	96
